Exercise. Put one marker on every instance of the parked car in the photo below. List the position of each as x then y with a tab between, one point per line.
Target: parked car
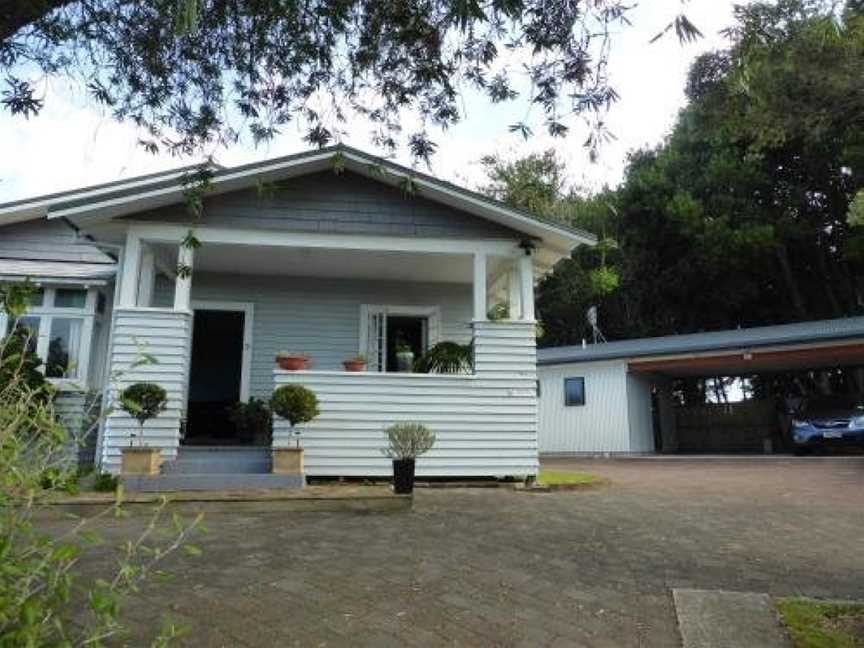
826	421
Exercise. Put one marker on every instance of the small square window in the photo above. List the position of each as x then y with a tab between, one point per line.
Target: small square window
36	297
574	391
70	298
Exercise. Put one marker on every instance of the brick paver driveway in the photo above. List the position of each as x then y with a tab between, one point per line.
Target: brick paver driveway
485	567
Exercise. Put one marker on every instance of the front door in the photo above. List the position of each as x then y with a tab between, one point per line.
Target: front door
215	375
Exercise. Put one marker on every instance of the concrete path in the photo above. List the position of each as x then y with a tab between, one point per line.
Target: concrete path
720	619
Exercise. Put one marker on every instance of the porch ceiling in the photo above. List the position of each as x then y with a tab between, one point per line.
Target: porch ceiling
317	262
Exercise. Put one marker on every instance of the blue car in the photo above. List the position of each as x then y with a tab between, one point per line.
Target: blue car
828	421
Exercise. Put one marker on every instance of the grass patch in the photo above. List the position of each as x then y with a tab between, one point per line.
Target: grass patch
814	624
561	478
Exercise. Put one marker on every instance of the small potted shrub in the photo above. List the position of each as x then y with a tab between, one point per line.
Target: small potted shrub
404	355
357	363
406	442
291	361
253	421
143	402
297	405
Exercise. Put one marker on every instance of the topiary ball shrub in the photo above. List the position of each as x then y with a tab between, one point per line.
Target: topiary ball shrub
143	401
294	403
408	440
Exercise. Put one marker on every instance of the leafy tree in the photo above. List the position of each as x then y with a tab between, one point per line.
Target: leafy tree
195	72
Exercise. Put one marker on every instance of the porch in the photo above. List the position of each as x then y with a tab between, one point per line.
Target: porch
331	297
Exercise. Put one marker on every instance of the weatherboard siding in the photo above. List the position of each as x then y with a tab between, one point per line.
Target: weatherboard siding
44	240
342	204
601	425
485	423
321	317
164	335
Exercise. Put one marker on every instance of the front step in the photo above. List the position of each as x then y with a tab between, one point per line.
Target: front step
210	482
220	460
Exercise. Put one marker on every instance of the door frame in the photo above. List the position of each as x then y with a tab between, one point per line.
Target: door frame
248	308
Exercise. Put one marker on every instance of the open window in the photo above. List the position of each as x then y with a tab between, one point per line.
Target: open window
392	337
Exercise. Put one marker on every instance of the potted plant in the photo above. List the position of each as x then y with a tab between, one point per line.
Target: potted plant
406	442
143	402
253	420
291	361
357	363
297	405
404	354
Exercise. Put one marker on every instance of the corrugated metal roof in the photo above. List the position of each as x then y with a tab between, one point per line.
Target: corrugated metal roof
761	336
56	269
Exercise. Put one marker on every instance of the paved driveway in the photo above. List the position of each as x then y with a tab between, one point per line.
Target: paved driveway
484	567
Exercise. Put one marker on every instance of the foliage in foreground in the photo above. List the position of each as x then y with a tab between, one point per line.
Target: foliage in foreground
816	624
44	601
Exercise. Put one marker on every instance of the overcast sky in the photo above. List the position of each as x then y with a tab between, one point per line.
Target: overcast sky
71	144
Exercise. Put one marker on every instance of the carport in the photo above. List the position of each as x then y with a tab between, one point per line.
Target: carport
631	384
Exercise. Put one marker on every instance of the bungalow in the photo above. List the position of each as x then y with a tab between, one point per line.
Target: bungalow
331	253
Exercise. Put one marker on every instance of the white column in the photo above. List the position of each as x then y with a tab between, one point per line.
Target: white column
514	293
130	271
480	308
526	274
183	285
147	278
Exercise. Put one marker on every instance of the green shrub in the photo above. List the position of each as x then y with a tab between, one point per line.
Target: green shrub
105	483
143	402
296	404
408	440
253	420
446	357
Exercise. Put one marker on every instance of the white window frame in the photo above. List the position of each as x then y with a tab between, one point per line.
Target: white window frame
46	314
431	313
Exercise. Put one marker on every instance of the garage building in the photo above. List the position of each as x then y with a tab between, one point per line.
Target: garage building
616	397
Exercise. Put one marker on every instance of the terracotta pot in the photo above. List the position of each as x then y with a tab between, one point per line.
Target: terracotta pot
354	365
292	362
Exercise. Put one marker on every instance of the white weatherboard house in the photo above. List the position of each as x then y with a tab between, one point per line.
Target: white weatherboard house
323	253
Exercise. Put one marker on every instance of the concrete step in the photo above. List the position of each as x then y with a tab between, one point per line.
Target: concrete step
210	482
219	460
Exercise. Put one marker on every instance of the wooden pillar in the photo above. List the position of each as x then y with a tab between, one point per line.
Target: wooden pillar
183	285
480	307
148	277
130	271
514	293
526	275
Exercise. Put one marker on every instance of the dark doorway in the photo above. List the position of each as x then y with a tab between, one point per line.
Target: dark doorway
214	377
410	331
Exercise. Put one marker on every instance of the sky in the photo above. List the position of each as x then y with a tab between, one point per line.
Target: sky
72	143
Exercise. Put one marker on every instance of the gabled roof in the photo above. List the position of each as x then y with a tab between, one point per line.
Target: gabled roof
760	336
156	190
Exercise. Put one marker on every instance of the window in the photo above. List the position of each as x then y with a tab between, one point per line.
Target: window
70	298
60	325
64	347
574	391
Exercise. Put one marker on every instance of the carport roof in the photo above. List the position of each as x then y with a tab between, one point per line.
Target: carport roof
762	336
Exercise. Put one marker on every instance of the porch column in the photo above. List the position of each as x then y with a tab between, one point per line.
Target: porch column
526	274
148	277
514	293
131	270
183	285
480	308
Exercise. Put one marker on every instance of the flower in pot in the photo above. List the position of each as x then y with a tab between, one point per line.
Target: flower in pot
291	361
404	354
143	402
357	363
297	405
406	442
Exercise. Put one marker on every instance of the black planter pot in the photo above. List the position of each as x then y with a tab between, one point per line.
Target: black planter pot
403	476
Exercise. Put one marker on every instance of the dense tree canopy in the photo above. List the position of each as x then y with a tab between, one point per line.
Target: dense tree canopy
749	213
194	72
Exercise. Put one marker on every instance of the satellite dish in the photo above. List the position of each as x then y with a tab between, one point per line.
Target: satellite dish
594	322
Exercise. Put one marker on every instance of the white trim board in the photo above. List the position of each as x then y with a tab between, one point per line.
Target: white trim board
248	308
